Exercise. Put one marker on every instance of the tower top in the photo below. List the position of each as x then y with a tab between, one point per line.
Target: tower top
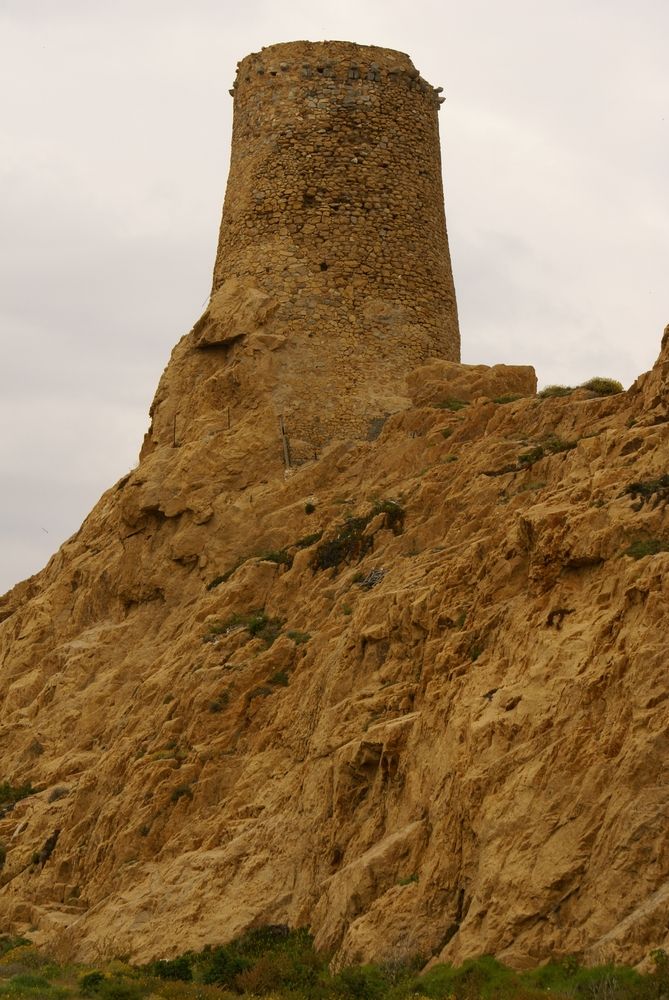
334	60
333	233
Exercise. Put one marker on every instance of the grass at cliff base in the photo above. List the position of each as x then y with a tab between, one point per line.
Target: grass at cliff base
276	962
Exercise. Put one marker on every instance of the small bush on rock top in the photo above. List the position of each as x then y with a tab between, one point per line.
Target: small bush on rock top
510	397
603	386
552	391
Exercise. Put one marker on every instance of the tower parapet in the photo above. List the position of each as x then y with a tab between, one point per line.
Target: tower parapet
334	210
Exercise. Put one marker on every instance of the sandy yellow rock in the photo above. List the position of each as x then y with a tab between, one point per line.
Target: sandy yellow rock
467	757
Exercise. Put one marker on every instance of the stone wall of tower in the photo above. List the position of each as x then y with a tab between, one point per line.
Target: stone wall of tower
334	208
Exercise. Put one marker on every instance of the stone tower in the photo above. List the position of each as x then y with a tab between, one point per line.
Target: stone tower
334	228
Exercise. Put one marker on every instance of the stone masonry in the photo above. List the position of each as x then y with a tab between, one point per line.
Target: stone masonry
334	221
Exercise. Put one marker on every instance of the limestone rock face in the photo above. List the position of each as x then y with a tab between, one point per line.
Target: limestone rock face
441	381
456	742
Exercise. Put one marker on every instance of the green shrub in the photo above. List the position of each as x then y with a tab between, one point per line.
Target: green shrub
278	556
642	547
279	679
91	983
647	489
362	982
603	386
409	880
224	577
11	794
308	540
221	966
451	404
174	969
510	397
568	978
551	391
553	444
3	855
119	989
309	507
261	960
394	514
446	432
350	541
550	445
261	626
181	792
299	638
257	624
476	977
530	457
259	692
219	702
8	943
29	981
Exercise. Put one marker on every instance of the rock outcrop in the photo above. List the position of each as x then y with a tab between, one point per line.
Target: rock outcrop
411	692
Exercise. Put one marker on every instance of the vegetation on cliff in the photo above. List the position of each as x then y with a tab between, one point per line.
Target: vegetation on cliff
276	963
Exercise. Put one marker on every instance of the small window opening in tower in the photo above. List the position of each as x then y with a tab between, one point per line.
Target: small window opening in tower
324	265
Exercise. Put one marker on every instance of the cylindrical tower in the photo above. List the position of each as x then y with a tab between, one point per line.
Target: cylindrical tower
334	216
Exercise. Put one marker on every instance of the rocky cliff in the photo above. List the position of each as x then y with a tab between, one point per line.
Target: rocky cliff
412	693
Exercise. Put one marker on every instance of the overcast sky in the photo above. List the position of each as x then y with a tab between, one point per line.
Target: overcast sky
115	125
